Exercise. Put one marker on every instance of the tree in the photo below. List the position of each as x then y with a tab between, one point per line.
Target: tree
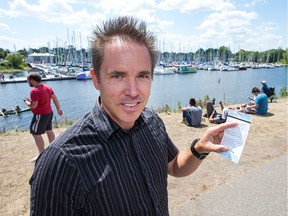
211	54
241	56
284	59
3	53
224	53
44	50
200	55
23	52
16	61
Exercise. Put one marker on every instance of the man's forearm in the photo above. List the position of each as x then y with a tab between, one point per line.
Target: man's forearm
56	102
183	165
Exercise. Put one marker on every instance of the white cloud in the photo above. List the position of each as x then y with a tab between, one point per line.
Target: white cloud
228	19
224	26
253	3
4	27
125	7
229	28
190	5
233	29
264	37
44	8
58	12
9	42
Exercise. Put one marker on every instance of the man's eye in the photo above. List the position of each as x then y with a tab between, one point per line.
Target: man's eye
144	76
118	76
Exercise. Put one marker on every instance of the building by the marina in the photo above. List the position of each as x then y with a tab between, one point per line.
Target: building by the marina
41	58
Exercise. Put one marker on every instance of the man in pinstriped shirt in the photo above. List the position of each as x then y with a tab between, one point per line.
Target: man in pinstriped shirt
115	160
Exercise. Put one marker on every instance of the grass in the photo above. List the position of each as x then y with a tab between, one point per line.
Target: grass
11	70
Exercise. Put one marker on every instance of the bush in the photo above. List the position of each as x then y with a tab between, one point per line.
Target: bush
62	122
179	107
15	61
4	65
283	92
164	109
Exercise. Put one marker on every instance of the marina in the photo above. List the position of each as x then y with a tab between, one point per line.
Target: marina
54	73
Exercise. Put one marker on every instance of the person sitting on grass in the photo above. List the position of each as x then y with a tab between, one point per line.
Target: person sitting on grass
192	115
215	117
260	105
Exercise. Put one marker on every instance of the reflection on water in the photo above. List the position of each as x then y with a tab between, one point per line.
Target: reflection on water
78	97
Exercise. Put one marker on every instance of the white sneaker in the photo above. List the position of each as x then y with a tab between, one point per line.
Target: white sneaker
34	159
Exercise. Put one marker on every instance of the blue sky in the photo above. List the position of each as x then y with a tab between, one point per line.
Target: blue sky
180	25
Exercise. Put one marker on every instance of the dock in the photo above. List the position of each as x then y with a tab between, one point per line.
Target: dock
24	79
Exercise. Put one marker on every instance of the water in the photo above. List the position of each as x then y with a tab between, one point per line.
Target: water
78	97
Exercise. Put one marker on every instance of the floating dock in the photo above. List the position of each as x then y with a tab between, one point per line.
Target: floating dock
24	79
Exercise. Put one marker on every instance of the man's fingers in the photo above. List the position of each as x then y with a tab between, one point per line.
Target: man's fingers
219	148
220	128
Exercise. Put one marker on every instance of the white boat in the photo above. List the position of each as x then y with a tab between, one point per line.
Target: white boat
83	75
212	68
162	71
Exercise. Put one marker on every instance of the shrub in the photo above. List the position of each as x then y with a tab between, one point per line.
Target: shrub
283	92
164	109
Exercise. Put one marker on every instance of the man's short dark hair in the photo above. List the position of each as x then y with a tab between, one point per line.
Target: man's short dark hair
125	28
34	76
254	90
192	102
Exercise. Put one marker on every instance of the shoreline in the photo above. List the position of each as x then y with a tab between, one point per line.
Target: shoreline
161	111
266	132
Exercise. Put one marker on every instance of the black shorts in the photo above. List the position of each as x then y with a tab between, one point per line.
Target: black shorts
41	123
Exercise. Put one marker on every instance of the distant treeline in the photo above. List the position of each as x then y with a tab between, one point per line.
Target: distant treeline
224	54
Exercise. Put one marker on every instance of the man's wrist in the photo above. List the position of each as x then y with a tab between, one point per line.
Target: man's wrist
195	152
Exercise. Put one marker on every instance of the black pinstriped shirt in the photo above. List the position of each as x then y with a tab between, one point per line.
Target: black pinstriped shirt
97	168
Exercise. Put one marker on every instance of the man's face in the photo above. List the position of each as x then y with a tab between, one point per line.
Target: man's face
29	81
125	81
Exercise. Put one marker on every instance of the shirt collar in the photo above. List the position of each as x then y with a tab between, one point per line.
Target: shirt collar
106	126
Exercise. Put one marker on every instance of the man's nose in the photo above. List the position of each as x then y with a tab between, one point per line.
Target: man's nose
131	87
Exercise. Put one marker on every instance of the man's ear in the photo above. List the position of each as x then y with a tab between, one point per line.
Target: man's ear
95	79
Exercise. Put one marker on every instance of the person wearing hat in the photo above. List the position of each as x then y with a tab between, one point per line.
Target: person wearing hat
265	88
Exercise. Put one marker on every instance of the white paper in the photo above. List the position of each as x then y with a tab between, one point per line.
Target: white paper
234	138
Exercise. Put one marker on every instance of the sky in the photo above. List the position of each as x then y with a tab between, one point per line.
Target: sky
180	25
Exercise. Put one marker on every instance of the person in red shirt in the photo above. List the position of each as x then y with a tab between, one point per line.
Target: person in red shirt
40	104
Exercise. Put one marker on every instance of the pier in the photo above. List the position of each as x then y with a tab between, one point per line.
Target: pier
24	79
